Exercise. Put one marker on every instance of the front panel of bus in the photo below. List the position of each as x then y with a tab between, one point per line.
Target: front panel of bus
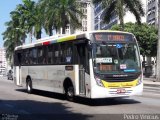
116	65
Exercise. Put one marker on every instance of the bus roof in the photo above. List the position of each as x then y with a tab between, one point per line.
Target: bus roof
63	38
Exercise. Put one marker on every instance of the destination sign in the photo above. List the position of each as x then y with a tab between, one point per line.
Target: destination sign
117	37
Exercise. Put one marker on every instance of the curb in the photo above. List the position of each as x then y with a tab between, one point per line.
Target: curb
151	82
151	85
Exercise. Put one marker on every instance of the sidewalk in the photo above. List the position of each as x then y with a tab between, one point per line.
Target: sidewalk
151	82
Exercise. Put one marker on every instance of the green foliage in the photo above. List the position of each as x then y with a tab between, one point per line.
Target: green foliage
30	17
59	13
146	35
120	7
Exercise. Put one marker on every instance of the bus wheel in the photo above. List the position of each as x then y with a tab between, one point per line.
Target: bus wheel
70	93
29	86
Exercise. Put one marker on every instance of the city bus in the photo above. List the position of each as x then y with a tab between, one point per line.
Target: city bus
97	64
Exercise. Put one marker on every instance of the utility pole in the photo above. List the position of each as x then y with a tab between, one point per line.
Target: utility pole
158	46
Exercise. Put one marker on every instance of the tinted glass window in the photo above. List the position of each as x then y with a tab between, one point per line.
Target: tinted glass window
34	56
56	54
50	54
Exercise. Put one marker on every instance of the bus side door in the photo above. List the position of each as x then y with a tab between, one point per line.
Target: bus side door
83	62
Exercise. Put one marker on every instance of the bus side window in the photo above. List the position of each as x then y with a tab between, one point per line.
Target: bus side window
19	60
40	55
62	53
44	55
30	56
56	54
50	54
34	55
27	57
24	57
68	54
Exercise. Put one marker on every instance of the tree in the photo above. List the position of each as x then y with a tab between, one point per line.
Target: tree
49	22
38	21
32	17
59	13
146	36
12	37
120	7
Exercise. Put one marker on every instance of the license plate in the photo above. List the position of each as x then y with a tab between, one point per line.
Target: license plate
121	91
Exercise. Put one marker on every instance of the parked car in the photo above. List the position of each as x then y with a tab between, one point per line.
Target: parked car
10	75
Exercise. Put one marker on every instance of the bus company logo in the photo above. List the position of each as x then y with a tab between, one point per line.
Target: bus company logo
120	75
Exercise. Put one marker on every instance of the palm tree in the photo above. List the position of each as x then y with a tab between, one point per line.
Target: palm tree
32	17
38	21
15	33
49	23
120	7
59	13
18	25
12	37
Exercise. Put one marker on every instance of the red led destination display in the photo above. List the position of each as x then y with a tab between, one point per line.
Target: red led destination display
113	37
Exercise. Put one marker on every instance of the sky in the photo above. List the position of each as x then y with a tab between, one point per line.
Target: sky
6	6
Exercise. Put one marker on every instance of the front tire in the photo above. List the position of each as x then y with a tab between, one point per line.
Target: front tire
70	93
29	86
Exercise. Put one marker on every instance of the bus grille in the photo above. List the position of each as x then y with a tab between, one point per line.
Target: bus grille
120	79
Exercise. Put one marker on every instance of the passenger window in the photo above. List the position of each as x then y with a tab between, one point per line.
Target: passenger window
34	57
56	54
50	54
40	55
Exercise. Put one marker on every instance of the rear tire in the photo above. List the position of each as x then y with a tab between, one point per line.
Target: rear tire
29	86
70	93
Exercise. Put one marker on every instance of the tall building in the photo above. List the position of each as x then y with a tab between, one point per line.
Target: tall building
87	21
3	62
99	14
152	12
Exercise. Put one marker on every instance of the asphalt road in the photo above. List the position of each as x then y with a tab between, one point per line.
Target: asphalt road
16	104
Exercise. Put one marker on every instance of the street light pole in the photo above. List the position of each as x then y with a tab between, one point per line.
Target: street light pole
158	46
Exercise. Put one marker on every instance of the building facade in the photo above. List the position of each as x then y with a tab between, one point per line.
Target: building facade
99	15
3	61
152	12
87	20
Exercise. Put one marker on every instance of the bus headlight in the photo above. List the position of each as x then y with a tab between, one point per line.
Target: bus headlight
99	82
139	80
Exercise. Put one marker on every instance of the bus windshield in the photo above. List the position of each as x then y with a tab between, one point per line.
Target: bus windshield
116	58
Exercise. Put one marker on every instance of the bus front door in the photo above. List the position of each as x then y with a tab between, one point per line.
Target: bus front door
82	61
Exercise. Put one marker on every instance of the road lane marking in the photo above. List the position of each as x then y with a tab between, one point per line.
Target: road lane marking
8	105
24	112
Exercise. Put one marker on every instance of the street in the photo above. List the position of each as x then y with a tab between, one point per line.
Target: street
15	104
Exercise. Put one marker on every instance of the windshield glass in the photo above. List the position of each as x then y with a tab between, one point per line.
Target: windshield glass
114	58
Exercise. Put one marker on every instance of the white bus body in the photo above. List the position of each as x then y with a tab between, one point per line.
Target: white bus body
81	73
